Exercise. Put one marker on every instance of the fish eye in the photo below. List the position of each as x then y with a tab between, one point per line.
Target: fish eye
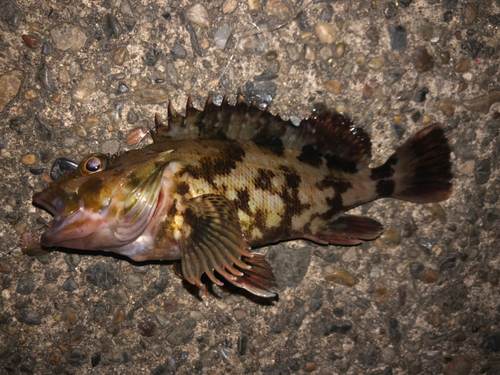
93	164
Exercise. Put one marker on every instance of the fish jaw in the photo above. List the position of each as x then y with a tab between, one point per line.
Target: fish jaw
77	229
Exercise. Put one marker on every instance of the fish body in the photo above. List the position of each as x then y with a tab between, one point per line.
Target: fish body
217	182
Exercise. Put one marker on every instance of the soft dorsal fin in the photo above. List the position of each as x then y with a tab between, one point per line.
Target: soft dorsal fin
323	134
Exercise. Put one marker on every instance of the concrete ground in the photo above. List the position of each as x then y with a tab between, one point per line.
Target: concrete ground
76	76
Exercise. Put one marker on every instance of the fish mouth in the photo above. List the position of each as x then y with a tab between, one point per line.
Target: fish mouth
54	201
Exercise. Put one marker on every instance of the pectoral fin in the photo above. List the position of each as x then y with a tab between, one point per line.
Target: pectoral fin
213	240
348	230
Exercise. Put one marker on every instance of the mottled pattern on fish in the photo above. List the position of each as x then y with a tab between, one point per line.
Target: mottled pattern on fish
216	182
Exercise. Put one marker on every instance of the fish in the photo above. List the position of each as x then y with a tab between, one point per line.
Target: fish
217	182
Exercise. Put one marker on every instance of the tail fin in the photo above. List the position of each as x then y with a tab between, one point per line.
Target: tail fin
420	170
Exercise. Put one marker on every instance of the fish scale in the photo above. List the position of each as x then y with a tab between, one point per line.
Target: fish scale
219	181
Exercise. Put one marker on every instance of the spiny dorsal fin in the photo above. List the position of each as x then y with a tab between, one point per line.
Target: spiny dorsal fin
324	134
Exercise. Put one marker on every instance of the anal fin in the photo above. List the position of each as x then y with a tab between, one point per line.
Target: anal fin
212	240
348	230
259	279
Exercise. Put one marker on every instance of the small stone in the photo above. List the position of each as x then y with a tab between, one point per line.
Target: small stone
309	366
198	14
91	121
462	66
45	77
178	51
56	98
136	135
391	237
70	284
382	291
28	317
350	255
195	45
482	171
462	86
80	130
221	36
30	94
47	48
397	34
111	146
119	55
466	167
70	316
253	4
470	13
101	276
405	3
458	366
271	56
172	74
182	334
54	359
436	318
447	106
28	365
483	103
278	9
473	46
26	286
5	267
325	53
292	52
152	57
376	63
60	167
422	60
326	33
31	41
239	314
430	276
67	37
309	54
341	277
340	50
417	270
122	88
444	57
34	26
10	83
196	315
29	159
118	317
151	94
420	96
85	88
437	211
334	86
229	6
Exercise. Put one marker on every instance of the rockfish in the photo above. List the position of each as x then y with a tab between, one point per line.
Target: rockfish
215	183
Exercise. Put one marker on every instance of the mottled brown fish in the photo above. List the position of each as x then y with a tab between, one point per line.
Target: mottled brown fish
216	182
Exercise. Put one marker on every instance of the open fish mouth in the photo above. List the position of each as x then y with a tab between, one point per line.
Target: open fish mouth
55	202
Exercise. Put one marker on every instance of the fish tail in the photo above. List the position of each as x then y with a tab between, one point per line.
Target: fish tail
420	170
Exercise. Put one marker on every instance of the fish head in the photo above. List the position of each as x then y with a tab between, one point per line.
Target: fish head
106	203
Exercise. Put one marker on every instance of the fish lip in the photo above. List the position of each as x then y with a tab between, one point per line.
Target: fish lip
52	202
41	199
